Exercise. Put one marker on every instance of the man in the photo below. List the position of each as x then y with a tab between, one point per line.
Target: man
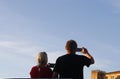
71	65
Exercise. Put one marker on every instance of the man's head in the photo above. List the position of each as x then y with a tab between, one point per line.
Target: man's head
71	46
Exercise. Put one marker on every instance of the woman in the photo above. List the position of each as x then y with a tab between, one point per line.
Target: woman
41	70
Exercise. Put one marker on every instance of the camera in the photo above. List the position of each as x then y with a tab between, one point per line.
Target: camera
78	49
51	65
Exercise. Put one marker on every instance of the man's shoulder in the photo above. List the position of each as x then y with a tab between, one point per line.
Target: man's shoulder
81	56
62	56
71	55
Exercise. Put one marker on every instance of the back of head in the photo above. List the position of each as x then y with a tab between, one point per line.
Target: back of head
71	46
42	59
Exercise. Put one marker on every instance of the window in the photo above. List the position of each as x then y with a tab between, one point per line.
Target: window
118	77
106	77
112	77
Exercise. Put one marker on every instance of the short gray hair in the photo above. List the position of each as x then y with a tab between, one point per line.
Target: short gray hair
42	58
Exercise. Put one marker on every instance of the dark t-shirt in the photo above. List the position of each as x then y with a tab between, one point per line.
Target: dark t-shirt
71	66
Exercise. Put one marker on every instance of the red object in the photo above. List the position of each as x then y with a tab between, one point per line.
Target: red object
41	72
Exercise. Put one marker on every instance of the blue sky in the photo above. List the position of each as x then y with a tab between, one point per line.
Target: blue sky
30	26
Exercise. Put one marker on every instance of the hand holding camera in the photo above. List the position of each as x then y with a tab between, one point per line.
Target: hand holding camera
83	50
51	65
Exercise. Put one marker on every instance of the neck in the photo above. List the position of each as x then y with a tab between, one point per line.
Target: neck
70	52
39	65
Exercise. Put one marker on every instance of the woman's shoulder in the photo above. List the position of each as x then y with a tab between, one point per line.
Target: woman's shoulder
46	67
35	67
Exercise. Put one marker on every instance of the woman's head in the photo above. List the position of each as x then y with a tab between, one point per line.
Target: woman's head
42	59
71	46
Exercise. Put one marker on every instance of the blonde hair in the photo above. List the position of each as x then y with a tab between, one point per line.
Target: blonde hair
42	59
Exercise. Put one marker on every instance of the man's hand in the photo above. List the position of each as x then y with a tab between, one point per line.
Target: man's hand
84	50
87	54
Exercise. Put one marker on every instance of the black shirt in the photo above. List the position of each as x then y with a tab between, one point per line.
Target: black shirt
71	66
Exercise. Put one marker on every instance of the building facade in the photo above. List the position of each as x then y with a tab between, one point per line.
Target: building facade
98	74
112	75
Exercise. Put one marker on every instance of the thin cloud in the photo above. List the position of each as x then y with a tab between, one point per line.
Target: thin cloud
7	44
106	57
115	4
102	64
21	48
